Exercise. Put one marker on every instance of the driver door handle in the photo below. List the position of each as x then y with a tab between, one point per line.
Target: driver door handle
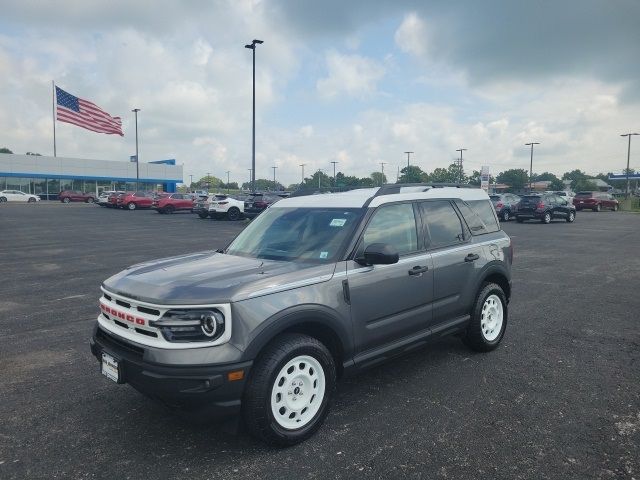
418	270
472	257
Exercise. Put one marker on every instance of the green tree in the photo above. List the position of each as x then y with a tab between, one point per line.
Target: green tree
378	178
412	174
556	184
209	182
5	150
262	184
516	178
544	177
585	186
576	176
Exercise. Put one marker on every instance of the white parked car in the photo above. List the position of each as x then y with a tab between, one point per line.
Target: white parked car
17	196
224	205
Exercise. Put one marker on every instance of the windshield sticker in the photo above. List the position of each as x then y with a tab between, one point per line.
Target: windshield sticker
338	222
324	254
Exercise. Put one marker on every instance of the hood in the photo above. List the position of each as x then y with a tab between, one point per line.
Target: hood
210	277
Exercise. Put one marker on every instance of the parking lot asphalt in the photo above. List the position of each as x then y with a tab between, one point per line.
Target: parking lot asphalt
559	399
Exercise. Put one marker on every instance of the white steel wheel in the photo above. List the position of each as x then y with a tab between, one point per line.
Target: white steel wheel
131	206
297	393
492	318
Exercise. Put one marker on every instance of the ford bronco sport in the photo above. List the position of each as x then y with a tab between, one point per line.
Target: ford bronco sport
317	287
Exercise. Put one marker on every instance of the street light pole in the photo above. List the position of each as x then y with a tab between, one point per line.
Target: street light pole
531	164
135	112
274	177
208	180
408	153
302	165
191	183
628	159
334	173
250	177
382	164
319	172
252	46
228	180
460	169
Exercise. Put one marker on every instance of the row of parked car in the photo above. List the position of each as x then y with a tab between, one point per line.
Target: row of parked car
550	205
218	206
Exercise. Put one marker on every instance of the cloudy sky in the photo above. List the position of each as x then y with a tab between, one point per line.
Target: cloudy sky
358	82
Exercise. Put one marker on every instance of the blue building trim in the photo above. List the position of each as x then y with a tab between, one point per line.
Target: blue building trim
89	177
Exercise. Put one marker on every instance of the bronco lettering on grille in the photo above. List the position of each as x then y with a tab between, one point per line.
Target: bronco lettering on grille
122	315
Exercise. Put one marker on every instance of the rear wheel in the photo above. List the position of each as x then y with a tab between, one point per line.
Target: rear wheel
571	217
488	319
290	390
519	219
169	209
615	207
66	200
203	214
3	199
31	200
506	216
131	206
89	200
233	213
597	208
546	218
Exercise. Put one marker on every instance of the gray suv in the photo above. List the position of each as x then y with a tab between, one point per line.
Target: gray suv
316	288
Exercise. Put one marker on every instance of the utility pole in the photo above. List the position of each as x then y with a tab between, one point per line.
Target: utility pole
191	183
628	158
334	174
382	164
135	112
252	46
228	172
531	164
460	164
319	173
302	165
250	177
274	177
408	154
208	180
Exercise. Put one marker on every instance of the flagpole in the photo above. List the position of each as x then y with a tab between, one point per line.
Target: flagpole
53	113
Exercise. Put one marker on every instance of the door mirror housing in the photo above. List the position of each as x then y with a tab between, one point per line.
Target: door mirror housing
379	254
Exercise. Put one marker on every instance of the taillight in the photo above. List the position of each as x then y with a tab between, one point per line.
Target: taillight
540	206
499	205
222	203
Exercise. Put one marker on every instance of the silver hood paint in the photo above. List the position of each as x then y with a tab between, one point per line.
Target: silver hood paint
209	277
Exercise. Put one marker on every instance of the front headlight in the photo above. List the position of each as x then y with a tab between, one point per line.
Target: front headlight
191	325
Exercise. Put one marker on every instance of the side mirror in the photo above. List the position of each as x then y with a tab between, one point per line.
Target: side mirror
379	254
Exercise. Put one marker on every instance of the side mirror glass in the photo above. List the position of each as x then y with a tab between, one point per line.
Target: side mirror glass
379	254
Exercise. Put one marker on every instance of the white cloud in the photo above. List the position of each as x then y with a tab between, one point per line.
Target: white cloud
352	75
411	36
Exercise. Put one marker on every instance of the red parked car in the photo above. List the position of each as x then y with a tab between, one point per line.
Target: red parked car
175	202
595	201
112	201
133	200
67	196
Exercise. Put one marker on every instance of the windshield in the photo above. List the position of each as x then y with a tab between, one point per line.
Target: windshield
316	235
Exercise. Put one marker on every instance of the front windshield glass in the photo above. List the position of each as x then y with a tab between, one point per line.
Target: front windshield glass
317	235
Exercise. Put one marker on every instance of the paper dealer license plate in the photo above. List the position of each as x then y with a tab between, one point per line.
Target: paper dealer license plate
110	367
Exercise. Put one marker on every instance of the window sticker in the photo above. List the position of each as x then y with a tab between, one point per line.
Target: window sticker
338	222
324	254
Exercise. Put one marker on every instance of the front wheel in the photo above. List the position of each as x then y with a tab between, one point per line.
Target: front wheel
89	200
519	219
203	215
546	218
615	207
597	209
571	217
131	206
488	319
506	216
290	390
169	209
66	200
31	200
3	199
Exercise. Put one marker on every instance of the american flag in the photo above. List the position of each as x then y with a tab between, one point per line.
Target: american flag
86	114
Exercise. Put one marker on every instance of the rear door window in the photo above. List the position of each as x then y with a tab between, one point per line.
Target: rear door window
473	221
443	224
487	214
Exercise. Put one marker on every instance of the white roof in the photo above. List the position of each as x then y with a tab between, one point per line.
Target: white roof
357	198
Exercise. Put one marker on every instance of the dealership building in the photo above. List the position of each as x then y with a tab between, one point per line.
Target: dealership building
47	176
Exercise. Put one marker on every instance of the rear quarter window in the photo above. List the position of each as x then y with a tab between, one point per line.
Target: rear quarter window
484	210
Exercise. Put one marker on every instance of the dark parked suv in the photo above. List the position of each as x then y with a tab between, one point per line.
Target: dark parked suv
316	288
545	207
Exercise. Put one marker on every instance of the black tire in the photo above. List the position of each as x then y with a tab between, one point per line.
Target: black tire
3	199
66	200
546	218
256	404
519	219
233	213
31	200
571	217
89	200
474	337
597	208
203	215
131	206
160	210
615	207
169	209
506	215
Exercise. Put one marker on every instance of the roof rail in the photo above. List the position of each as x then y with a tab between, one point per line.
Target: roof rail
392	188
304	191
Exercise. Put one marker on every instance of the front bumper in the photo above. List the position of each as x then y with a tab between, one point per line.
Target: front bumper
191	388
